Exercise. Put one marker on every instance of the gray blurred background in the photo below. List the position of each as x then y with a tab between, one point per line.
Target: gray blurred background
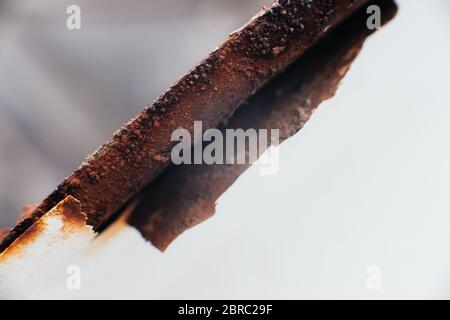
63	92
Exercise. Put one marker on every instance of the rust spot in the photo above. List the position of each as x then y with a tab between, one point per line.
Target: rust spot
3	232
26	211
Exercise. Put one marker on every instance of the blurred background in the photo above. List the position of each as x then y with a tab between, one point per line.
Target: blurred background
364	184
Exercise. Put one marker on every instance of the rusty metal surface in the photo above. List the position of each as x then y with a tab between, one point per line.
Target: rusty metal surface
69	90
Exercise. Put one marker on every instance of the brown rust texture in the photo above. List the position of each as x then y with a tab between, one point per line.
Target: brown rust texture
140	150
185	195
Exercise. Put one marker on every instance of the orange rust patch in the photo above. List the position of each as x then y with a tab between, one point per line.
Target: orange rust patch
26	211
3	233
68	212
